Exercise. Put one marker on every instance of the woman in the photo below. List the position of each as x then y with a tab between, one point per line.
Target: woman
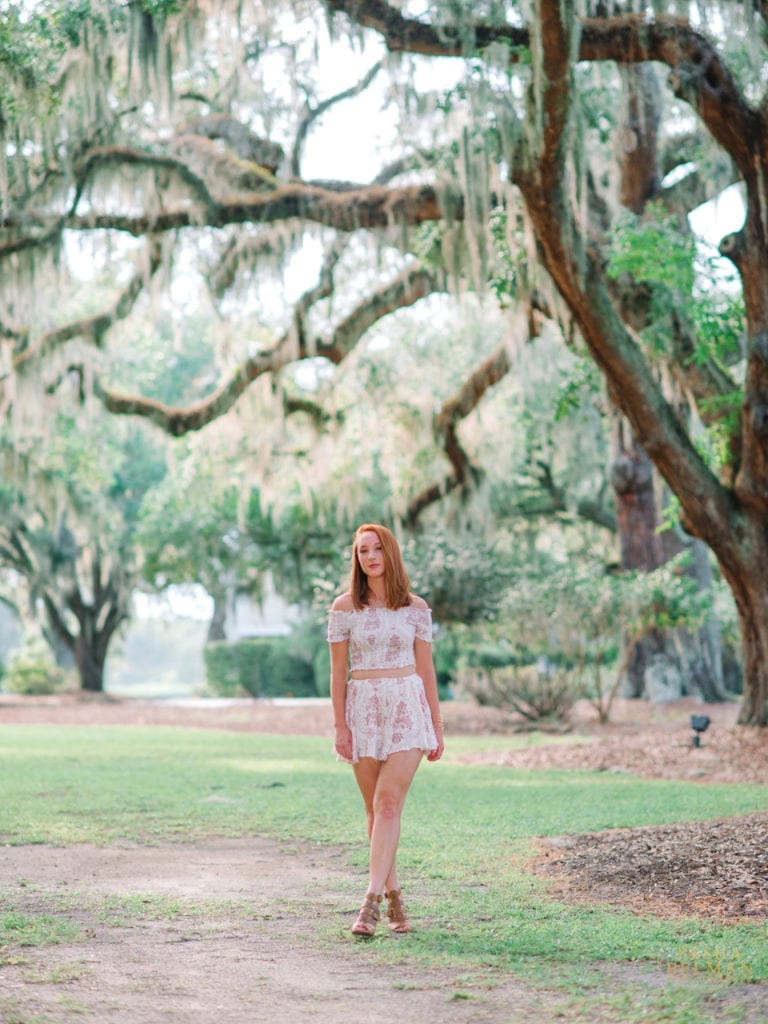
386	713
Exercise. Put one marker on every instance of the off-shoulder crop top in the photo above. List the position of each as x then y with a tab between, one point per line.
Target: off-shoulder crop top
380	637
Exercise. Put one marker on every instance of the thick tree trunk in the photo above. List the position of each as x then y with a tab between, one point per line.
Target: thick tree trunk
632	479
754	635
732	522
664	664
97	620
217	625
749	584
90	658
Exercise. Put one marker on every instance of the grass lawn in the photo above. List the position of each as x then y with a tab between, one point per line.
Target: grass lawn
467	834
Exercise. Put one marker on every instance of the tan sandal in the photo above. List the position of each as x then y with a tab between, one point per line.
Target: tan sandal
368	918
397	919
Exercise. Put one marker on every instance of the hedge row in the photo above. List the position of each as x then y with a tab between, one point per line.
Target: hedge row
262	667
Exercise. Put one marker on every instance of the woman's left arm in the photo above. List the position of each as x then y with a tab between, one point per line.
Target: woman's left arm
425	667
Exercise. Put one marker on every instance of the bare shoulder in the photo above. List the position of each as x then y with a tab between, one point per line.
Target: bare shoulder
418	602
343	603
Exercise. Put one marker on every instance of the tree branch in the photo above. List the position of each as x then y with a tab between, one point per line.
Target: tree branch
699	75
445	428
401	34
592	509
316	112
125	156
353	209
93	328
407	288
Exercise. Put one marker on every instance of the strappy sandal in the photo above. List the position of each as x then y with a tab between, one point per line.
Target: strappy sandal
368	918
397	919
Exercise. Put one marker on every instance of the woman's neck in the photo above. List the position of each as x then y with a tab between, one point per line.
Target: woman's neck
376	593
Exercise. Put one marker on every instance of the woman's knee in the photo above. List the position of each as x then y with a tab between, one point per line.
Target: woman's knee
387	804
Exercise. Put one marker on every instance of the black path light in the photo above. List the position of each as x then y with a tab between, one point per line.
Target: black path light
699	724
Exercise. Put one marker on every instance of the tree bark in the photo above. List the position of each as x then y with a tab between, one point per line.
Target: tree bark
632	478
97	621
90	658
217	625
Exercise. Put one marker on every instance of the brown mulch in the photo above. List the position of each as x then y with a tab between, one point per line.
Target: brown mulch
715	869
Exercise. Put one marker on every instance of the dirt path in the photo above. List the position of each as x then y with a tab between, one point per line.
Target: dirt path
259	936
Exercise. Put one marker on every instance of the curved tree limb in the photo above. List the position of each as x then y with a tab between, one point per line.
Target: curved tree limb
445	428
316	112
699	75
372	206
406	289
93	328
592	509
401	34
125	156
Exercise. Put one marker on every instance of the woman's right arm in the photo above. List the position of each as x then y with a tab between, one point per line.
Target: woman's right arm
339	661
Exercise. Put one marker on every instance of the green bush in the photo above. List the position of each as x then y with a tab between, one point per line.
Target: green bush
445	655
261	667
539	696
288	673
321	664
32	672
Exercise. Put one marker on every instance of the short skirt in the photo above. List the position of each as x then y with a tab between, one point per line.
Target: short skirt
388	715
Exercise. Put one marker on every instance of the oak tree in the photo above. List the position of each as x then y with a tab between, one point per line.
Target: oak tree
172	137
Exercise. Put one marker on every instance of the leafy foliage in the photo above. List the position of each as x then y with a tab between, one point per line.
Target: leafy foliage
576	624
31	671
67	531
463	576
259	667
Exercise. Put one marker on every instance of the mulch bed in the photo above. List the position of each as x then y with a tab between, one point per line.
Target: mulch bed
714	869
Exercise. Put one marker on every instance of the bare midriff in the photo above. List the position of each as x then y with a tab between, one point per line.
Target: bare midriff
383	673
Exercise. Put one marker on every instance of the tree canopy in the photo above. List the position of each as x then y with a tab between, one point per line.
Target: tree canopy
177	155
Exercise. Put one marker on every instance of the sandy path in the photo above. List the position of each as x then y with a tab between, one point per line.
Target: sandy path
271	944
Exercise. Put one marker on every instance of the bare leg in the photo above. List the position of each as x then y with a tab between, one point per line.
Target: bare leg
384	786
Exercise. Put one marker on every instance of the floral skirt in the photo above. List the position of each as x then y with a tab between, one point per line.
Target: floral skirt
388	715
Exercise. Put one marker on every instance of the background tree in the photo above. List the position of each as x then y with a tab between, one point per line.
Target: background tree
67	522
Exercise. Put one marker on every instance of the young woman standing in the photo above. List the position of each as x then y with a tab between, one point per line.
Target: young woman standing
385	704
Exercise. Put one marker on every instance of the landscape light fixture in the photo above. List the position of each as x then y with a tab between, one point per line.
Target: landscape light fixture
699	725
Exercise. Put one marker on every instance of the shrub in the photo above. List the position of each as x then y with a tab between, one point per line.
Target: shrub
537	695
287	673
32	672
261	667
321	664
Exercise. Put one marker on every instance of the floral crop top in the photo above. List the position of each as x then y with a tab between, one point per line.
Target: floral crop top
380	637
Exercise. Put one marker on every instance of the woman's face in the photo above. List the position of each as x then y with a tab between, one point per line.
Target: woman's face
370	554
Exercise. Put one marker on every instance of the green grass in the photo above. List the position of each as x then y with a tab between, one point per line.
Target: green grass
21	930
467	833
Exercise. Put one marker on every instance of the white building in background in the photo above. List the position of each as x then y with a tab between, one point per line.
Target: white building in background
272	616
160	653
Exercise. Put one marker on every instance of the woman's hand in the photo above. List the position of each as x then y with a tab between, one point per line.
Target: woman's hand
342	744
437	753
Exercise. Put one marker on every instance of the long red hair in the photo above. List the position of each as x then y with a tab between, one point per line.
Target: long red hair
396	582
